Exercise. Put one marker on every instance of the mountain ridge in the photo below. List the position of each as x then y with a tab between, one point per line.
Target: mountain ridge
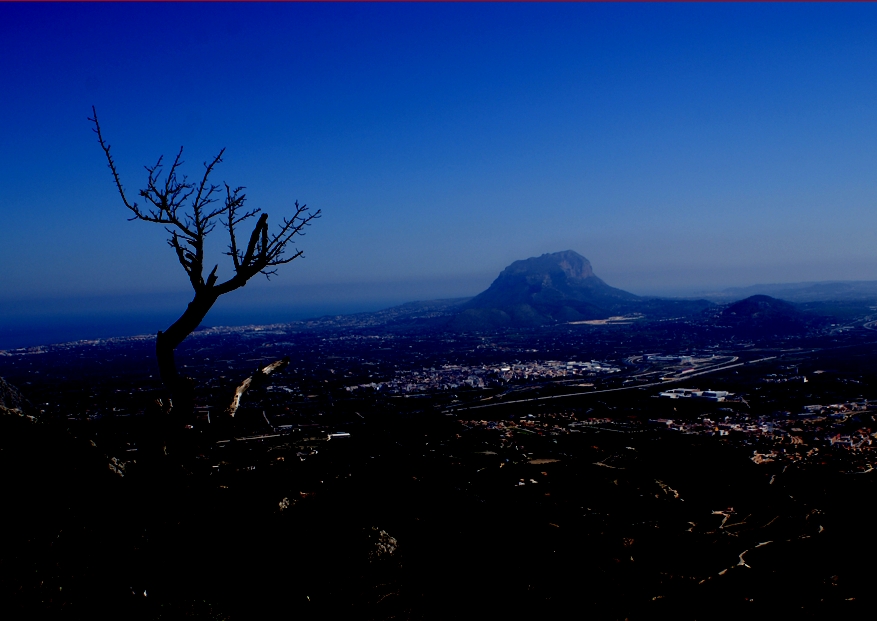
558	287
562	287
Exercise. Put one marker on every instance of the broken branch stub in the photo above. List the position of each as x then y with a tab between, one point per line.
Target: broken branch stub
259	378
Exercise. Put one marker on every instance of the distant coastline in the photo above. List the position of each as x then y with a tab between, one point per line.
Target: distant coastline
31	330
34	331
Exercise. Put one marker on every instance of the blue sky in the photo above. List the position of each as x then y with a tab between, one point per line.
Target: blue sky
679	147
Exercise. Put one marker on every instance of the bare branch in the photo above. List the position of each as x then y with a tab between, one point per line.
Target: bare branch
291	228
233	200
254	240
264	249
112	165
202	199
211	279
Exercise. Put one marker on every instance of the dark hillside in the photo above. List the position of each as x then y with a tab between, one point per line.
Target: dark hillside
762	316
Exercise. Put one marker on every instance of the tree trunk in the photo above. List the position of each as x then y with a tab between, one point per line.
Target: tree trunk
181	388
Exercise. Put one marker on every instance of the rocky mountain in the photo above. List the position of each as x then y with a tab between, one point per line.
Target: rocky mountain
549	283
558	287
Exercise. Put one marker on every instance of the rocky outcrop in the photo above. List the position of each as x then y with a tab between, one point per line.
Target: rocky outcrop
559	286
12	402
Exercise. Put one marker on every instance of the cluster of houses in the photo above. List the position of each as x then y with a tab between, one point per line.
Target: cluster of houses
694	393
452	376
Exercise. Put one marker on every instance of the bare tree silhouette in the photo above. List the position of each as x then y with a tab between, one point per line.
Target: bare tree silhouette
189	212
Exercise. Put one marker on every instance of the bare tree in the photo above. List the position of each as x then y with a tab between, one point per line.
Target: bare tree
189	212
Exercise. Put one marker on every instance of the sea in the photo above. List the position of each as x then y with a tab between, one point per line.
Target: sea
22	331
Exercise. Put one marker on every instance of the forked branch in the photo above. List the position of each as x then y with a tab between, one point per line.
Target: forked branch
189	212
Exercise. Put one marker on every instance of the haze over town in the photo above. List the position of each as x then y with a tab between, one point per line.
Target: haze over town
681	148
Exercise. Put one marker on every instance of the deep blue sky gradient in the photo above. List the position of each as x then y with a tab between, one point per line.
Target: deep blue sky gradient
679	147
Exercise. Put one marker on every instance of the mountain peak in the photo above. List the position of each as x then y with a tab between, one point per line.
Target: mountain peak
569	262
558	286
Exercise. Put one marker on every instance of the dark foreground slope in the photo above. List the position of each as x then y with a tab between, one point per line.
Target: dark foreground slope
387	527
421	515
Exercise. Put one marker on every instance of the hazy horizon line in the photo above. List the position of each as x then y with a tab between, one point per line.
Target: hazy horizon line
36	322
